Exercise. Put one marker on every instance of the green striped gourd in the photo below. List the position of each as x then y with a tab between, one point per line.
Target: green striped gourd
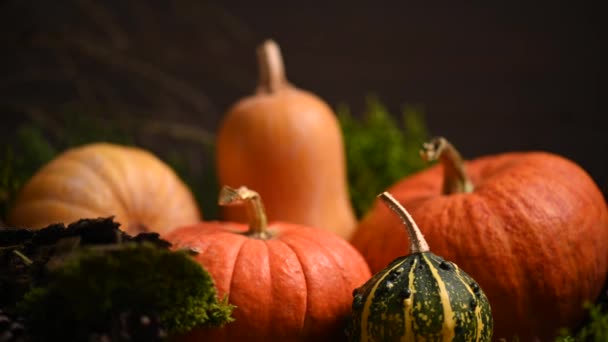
419	297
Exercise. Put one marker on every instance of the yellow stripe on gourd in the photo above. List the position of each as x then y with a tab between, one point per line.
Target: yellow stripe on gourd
368	302
449	322
408	307
478	308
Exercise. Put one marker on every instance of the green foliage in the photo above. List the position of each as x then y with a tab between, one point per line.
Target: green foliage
594	330
79	128
95	285
380	150
203	183
19	160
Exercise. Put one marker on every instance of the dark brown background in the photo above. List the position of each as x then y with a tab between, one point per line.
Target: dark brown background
492	76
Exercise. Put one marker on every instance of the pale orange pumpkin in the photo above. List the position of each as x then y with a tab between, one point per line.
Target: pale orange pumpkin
531	227
286	143
102	180
289	282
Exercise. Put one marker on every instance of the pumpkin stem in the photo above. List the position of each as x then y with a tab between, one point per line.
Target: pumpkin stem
455	179
271	68
417	242
255	207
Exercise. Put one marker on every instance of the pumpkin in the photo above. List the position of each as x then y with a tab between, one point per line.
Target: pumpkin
420	296
101	180
286	143
289	282
531	227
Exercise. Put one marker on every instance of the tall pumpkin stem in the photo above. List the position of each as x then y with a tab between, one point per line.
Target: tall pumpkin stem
455	179
417	242
255	208
270	67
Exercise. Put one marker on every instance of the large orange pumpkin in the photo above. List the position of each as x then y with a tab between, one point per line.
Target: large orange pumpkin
101	180
530	227
288	282
286	143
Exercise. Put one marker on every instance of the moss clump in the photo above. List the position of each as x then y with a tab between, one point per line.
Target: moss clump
88	290
379	149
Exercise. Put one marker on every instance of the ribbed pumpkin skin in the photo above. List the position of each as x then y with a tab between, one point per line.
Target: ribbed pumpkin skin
420	297
295	286
533	233
288	146
101	180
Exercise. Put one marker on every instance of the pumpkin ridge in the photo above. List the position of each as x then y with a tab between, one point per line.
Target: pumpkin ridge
105	179
236	258
54	172
306	280
76	205
161	191
296	258
35	203
131	196
330	253
269	329
50	196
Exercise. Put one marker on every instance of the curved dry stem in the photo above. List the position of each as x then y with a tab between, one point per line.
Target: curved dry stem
253	202
417	242
455	178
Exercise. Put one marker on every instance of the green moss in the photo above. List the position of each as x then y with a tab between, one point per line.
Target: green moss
92	287
595	328
380	149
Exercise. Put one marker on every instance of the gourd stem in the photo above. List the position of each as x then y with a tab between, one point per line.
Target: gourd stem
255	208
455	178
417	242
270	67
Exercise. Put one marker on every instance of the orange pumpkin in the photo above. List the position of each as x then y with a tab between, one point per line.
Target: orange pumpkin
101	180
286	143
288	282
530	227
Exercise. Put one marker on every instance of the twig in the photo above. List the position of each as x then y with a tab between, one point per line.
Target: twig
178	131
23	257
103	18
71	71
42	119
172	85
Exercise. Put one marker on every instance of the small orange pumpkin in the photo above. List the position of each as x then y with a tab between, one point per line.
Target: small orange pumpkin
530	227
103	179
288	282
286	143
